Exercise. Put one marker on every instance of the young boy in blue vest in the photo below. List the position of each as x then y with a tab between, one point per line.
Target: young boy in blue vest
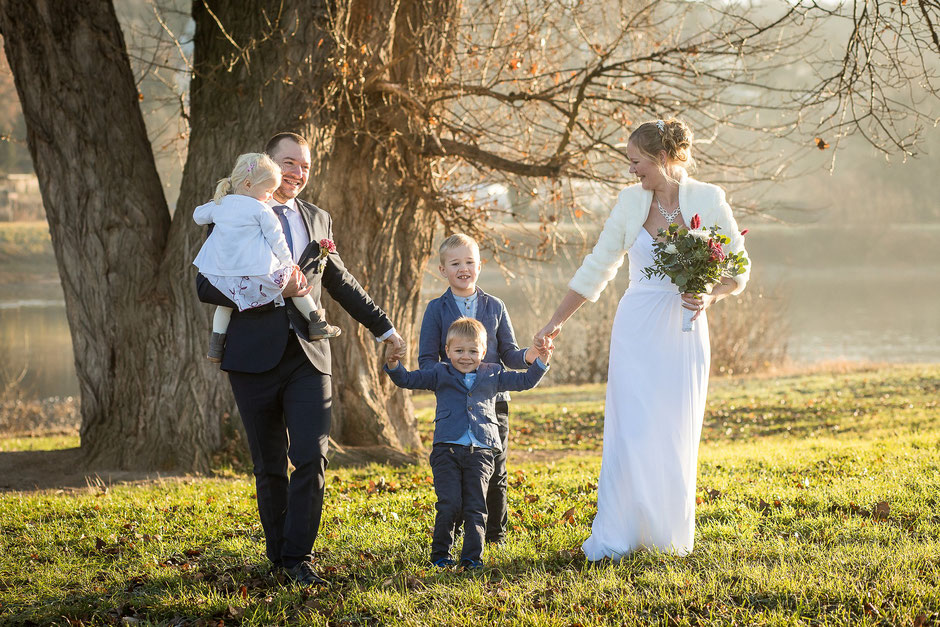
460	265
466	437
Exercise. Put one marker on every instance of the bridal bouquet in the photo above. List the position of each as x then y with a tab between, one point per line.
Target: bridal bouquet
694	260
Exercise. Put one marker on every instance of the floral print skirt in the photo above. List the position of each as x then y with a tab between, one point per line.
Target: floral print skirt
252	291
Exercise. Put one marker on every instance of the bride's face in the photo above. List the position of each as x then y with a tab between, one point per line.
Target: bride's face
644	168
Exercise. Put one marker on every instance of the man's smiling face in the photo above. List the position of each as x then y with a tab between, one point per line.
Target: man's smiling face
294	161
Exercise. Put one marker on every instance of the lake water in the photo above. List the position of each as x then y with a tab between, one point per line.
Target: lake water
871	295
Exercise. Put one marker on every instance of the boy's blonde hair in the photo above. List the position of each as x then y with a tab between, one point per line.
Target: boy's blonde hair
468	329
254	168
456	241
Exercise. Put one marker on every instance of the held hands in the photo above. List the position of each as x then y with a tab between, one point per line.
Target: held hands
395	348
391	356
546	349
543	341
549	332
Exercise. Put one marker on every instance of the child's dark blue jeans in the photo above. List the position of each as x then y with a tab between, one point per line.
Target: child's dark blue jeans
461	477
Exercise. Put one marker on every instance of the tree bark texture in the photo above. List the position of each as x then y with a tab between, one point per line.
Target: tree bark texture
143	392
377	182
149	399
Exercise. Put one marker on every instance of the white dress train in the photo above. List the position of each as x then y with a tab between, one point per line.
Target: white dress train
656	387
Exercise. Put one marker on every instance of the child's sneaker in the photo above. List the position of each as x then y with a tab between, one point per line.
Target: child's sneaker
216	347
466	564
443	562
319	329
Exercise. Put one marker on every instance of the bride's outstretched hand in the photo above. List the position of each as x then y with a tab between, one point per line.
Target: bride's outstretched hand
544	337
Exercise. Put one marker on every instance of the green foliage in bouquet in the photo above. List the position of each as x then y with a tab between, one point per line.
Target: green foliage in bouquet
693	258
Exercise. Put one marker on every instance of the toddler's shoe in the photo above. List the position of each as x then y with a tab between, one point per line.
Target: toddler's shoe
320	329
466	564
443	562
216	347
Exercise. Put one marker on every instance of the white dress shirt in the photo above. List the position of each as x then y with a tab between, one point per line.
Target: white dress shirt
298	230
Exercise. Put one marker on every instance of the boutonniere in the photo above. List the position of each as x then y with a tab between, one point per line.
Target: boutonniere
326	247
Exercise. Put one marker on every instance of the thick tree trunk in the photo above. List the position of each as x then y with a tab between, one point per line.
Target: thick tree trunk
143	392
373	182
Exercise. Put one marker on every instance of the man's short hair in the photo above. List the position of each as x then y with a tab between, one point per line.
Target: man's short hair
468	329
277	139
456	241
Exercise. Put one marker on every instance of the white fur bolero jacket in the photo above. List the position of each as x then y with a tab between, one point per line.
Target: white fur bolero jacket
626	219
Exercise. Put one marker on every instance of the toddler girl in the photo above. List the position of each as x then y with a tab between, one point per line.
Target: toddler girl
246	256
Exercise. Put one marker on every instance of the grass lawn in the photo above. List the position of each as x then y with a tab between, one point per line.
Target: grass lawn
819	505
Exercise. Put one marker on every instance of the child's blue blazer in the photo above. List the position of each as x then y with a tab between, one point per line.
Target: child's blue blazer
501	346
459	408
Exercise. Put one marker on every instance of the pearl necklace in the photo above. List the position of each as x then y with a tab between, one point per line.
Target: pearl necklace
669	216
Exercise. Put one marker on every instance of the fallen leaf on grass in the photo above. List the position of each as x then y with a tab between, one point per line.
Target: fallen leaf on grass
568	517
881	510
531	498
234	612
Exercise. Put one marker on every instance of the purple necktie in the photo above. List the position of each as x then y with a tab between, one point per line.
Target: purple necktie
282	218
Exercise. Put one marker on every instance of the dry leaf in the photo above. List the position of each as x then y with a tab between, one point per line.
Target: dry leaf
881	510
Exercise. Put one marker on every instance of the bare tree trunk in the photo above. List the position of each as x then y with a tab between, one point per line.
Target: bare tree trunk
143	394
373	183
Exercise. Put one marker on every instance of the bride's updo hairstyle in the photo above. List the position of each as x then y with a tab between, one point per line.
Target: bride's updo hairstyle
672	135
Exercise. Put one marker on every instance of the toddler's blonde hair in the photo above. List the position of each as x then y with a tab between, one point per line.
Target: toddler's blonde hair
456	241
468	329
252	169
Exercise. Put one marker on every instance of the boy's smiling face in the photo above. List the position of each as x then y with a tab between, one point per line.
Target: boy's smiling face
465	353
461	269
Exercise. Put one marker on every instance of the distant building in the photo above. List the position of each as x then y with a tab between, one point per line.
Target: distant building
20	198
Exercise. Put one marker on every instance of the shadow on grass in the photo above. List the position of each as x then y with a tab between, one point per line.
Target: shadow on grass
60	469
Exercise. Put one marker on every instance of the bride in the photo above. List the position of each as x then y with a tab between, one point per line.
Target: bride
658	375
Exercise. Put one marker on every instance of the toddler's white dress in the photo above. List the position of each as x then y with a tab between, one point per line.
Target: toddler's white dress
246	256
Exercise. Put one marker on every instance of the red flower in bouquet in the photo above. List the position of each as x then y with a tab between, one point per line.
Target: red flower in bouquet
716	253
696	222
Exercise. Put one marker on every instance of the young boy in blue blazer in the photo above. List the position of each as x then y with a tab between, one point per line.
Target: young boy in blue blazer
460	265
466	437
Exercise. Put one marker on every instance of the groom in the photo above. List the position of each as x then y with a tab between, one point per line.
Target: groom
281	381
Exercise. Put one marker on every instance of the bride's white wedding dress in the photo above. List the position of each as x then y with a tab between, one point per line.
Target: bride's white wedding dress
656	387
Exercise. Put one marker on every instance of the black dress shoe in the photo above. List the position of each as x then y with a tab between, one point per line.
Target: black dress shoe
304	575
